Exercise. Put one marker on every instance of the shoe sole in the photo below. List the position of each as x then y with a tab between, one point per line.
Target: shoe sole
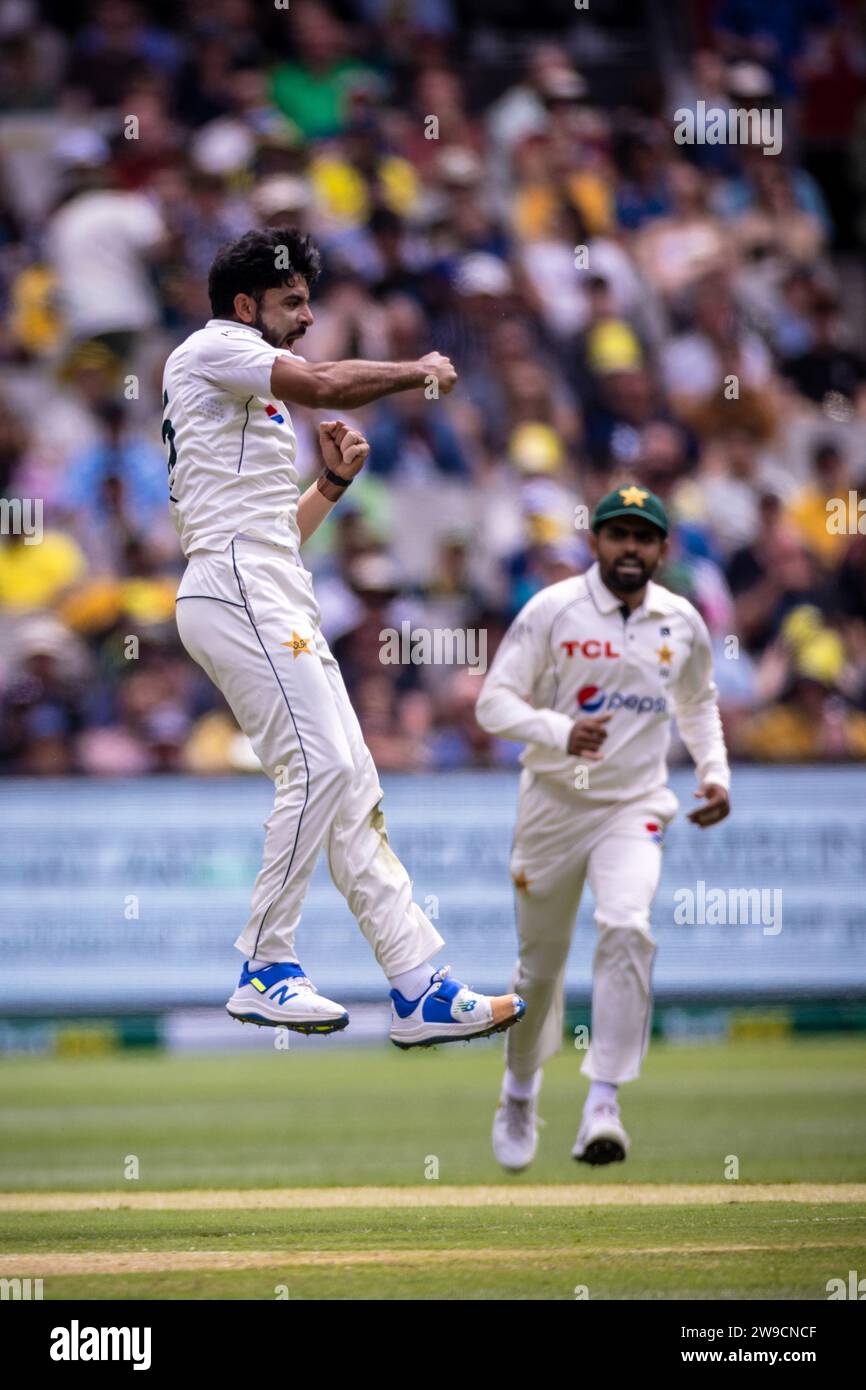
601	1151
460	1037
334	1026
515	1167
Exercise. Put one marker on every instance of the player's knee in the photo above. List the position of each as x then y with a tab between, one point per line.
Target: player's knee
317	777
627	920
334	774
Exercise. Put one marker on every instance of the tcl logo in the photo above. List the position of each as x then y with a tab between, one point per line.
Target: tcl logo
591	648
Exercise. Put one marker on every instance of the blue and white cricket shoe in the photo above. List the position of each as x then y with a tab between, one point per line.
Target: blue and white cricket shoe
281	996
448	1011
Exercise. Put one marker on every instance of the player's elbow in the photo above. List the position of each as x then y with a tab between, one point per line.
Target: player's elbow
485	713
323	395
301	384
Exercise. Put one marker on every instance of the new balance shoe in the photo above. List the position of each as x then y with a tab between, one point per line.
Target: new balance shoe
601	1137
515	1132
449	1011
281	996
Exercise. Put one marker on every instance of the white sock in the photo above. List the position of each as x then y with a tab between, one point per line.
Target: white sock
521	1090
601	1093
259	964
413	983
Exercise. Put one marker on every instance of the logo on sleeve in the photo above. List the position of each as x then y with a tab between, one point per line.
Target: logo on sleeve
274	414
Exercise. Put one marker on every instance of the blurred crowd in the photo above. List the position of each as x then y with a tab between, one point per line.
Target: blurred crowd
619	306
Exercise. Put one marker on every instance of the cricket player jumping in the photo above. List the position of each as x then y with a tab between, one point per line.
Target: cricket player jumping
588	676
247	614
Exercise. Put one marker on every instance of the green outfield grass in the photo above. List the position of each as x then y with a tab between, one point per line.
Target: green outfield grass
791	1111
777	1250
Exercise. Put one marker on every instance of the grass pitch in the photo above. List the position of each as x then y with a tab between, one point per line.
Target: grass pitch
398	1193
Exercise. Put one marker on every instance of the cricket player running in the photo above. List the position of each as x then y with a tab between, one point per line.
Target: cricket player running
588	676
247	614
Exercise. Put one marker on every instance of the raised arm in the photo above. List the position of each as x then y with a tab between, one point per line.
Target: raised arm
344	385
344	453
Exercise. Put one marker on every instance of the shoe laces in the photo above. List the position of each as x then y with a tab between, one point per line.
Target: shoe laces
606	1108
443	974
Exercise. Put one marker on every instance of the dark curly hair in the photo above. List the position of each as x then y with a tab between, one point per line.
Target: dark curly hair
256	262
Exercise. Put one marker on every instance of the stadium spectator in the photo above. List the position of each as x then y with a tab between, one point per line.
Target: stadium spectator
617	304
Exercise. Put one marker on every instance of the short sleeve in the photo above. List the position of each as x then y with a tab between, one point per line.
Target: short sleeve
237	362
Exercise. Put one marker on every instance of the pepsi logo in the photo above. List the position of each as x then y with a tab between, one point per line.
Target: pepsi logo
590	698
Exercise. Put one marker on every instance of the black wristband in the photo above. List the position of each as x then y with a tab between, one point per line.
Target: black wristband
335	478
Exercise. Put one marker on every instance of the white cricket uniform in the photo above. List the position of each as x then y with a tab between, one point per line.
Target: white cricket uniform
246	612
572	652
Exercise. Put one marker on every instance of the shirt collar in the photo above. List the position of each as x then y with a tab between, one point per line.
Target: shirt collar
655	599
233	323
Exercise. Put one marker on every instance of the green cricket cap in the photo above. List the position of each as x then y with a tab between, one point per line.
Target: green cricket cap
631	500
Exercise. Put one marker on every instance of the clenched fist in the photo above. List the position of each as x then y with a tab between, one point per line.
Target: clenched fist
442	368
344	450
587	735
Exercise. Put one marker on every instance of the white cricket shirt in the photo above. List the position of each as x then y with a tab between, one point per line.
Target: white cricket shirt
99	243
570	652
231	447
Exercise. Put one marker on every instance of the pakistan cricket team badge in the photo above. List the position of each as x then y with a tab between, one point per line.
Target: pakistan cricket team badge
656	833
298	644
664	653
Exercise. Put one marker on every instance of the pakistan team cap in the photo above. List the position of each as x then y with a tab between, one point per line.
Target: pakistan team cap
631	500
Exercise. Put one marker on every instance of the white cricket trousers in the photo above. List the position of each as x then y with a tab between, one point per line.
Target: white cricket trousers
557	847
248	616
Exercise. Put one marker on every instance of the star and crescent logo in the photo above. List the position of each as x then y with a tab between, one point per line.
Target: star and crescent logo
633	496
298	645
